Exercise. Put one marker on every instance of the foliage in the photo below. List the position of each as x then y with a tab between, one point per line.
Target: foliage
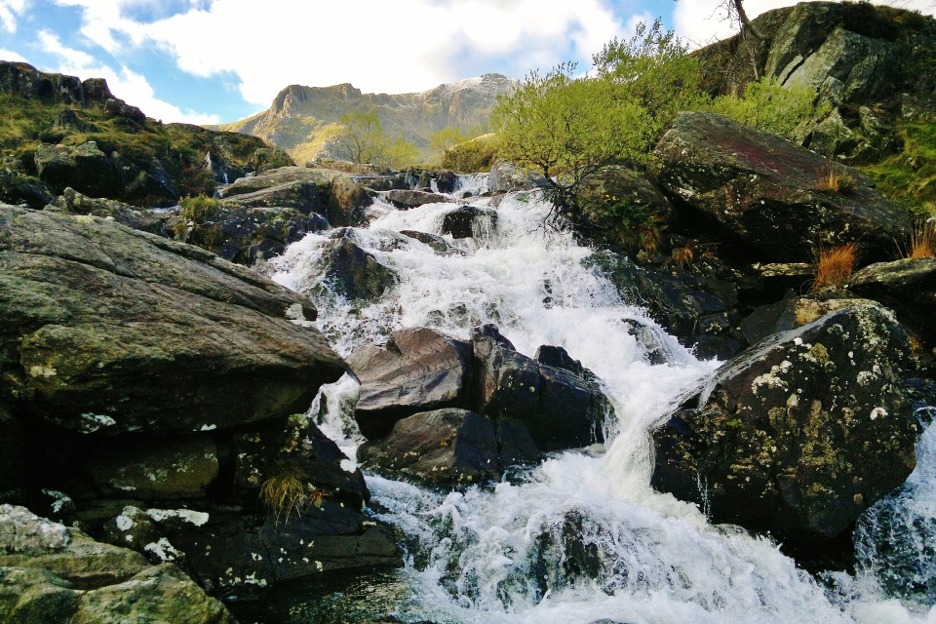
199	207
768	105
569	129
446	138
909	177
287	492
478	154
362	139
834	265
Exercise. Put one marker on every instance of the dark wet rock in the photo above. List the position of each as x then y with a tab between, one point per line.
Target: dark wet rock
406	199
699	312
778	202
907	286
331	194
100	320
446	181
85	168
352	272
633	194
561	409
19	188
52	573
800	433
567	550
445	447
469	222
436	242
419	370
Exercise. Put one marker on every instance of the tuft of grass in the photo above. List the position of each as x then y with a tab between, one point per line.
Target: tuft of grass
287	492
683	256
922	240
840	182
834	265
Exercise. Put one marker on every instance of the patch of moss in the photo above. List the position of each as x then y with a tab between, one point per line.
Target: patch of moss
909	177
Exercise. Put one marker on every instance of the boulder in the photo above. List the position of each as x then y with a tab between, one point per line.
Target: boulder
353	273
332	194
85	168
768	198
419	370
446	181
560	408
800	433
52	573
907	286
506	177
108	328
443	447
436	242
406	199
19	188
73	202
469	222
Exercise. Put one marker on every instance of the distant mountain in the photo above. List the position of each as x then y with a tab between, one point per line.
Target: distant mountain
303	120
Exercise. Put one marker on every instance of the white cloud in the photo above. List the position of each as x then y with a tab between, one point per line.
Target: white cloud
10	10
9	55
123	83
379	46
703	21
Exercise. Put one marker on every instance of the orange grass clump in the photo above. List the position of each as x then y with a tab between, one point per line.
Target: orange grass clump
834	266
923	240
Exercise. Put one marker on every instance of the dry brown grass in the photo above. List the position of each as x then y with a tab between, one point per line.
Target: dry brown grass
683	256
834	265
840	182
284	493
922	240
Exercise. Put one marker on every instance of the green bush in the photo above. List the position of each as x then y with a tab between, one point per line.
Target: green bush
772	107
478	154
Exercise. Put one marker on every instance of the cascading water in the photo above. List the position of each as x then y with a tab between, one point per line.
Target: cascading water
581	537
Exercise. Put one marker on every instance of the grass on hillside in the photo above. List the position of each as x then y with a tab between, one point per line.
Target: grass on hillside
909	178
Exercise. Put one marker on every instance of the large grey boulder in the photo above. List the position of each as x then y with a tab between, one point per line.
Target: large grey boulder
779	201
352	272
800	433
85	167
52	573
332	194
108	328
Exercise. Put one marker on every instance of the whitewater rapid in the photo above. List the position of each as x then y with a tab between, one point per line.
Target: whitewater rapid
581	537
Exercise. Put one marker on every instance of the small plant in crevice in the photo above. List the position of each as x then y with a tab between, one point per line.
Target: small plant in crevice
839	182
288	492
834	266
683	256
922	240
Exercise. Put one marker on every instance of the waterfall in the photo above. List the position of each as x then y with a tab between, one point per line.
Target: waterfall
581	537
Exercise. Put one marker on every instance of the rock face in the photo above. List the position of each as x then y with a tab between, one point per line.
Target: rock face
301	118
469	222
778	201
73	202
425	391
908	286
406	199
331	194
52	573
98	316
352	272
140	373
799	434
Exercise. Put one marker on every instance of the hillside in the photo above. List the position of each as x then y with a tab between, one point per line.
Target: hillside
302	120
58	131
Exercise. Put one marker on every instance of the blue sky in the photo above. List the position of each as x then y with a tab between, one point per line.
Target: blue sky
212	61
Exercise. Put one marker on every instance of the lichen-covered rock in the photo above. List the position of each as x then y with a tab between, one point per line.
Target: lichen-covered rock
85	168
108	328
907	286
800	433
18	188
52	573
73	202
780	201
506	177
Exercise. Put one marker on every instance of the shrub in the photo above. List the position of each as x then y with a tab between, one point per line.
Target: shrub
833	266
199	208
772	107
475	155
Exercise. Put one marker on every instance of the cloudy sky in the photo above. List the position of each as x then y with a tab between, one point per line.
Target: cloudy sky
212	61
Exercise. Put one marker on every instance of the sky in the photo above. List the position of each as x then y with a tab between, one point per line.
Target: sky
215	61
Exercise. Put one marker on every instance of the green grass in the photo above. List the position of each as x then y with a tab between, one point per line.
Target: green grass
909	178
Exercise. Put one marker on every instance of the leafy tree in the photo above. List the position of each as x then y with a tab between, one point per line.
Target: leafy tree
445	139
364	140
772	107
569	129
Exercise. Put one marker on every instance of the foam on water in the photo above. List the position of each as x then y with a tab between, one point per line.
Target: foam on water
583	536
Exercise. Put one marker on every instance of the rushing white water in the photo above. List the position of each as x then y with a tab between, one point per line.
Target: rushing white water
581	537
